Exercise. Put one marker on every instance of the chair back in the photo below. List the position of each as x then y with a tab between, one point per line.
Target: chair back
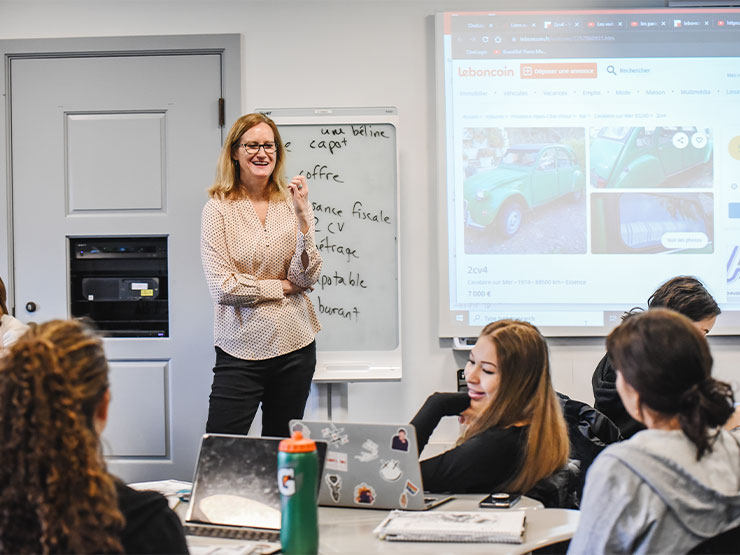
726	542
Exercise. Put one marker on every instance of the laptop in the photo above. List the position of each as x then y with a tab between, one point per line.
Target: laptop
370	466
235	490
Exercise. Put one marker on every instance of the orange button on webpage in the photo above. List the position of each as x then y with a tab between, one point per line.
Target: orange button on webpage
584	70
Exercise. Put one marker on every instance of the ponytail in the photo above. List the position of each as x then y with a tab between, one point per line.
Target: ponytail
666	359
706	406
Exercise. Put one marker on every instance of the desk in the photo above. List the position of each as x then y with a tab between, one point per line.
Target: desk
349	531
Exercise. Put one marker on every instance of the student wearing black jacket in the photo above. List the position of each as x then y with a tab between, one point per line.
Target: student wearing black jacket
515	432
684	294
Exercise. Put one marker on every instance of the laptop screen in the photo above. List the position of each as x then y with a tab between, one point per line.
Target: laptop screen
235	481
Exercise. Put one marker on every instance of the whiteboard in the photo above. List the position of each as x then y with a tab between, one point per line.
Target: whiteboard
350	160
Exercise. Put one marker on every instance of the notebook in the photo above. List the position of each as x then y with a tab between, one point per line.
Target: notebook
235	491
453	526
372	466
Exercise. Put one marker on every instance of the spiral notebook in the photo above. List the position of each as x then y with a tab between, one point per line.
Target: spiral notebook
453	526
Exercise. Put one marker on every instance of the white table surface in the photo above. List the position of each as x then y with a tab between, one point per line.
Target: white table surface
346	530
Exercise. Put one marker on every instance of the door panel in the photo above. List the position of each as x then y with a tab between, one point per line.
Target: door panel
117	146
143	432
94	143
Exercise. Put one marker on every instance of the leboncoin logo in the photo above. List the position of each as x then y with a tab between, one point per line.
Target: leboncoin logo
286	481
479	72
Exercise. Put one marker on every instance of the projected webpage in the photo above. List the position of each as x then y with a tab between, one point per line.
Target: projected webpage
589	157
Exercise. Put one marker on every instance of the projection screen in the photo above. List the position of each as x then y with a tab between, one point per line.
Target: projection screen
585	157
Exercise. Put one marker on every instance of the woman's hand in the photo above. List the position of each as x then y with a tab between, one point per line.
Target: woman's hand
290	288
299	192
471	413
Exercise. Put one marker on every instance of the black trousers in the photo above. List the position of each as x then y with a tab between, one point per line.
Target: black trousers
281	384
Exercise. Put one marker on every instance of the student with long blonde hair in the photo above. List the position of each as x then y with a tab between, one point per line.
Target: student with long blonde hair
56	495
515	433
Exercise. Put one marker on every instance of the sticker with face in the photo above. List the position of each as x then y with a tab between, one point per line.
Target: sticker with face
403	500
335	436
399	442
334	482
390	470
369	451
364	494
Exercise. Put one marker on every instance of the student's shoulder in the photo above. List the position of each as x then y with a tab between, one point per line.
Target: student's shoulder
151	526
514	436
139	506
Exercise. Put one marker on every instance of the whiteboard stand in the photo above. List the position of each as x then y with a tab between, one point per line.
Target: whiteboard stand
333	400
349	157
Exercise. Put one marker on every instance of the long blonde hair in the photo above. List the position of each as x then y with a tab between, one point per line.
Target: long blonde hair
226	185
55	493
525	394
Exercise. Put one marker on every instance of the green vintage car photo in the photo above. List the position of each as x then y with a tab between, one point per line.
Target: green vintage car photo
528	176
630	157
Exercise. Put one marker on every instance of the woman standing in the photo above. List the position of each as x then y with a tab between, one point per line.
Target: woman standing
677	483
259	258
56	495
515	434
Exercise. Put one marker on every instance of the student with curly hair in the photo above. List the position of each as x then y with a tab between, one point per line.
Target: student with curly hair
56	495
676	484
515	432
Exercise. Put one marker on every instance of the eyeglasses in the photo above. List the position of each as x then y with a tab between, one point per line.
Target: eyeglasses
254	148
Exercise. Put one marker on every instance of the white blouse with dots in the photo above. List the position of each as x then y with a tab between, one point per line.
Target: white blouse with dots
244	262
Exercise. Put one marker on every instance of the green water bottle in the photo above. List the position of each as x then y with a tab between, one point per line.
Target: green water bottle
298	474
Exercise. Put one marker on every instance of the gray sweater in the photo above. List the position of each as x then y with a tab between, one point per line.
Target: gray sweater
650	495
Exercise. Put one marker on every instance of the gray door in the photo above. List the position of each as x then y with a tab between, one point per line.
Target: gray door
122	145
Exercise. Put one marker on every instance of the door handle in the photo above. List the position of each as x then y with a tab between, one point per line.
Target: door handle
31	306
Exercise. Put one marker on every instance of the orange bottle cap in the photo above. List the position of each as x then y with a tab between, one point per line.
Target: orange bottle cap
297	444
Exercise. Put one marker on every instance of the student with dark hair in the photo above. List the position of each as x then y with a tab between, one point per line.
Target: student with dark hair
56	495
677	483
684	294
515	432
10	328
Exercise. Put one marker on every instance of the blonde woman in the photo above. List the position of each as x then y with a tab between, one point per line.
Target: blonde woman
516	434
259	258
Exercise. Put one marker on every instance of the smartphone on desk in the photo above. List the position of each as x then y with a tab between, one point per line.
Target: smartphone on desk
499	501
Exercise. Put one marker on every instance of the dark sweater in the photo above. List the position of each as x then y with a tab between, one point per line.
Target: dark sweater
151	526
482	464
606	398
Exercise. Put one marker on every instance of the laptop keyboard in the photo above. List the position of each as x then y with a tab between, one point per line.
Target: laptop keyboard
231	532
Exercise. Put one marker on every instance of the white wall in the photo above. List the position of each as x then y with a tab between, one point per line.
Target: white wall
342	53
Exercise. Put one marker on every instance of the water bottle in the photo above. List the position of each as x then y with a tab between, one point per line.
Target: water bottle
298	469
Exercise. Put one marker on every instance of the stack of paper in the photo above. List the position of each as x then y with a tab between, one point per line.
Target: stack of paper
453	526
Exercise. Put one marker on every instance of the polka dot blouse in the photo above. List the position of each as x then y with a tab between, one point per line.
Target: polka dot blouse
244	262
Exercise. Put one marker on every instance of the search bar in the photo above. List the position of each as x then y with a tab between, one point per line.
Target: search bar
582	70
